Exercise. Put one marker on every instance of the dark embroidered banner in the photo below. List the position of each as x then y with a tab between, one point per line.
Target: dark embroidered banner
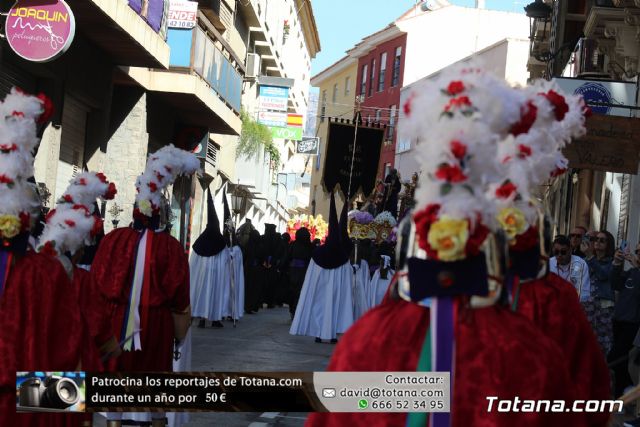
337	164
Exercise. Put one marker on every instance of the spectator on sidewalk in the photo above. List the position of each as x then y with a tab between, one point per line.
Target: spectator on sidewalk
570	267
576	237
626	317
599	256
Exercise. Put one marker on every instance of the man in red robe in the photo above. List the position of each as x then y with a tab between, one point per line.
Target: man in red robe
41	326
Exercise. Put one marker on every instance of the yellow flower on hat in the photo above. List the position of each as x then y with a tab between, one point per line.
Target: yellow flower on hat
9	226
513	222
145	207
448	237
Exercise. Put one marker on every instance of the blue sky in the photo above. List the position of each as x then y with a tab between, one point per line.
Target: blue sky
343	23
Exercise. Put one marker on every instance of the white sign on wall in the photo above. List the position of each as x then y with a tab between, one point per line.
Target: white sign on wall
602	91
270	118
183	14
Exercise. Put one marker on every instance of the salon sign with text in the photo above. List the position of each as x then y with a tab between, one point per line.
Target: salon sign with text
40	31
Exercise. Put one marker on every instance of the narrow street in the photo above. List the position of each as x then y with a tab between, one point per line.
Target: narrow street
260	342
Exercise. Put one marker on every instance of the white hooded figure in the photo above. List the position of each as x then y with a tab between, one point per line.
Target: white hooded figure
380	281
326	306
210	269
234	294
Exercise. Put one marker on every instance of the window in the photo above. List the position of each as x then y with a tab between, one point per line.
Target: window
383	70
392	123
334	95
347	86
387	169
323	109
396	67
373	75
363	82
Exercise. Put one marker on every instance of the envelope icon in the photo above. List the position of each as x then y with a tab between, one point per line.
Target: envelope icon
328	392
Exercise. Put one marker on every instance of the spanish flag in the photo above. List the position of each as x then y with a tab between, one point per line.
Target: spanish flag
294	120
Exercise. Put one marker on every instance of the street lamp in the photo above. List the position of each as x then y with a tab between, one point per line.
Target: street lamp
537	11
238	200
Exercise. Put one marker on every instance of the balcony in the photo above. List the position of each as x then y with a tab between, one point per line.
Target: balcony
115	27
219	12
194	52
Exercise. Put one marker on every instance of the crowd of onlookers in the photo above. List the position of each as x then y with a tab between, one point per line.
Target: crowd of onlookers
607	279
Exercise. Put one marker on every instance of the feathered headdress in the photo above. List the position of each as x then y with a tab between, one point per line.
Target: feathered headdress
74	223
459	118
19	115
531	154
163	167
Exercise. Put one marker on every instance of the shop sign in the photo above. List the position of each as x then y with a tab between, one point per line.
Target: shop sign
40	31
309	145
270	118
292	133
182	14
611	144
273	98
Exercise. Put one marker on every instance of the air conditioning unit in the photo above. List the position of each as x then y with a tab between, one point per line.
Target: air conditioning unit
253	65
588	61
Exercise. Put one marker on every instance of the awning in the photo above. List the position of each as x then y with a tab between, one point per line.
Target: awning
195	102
118	30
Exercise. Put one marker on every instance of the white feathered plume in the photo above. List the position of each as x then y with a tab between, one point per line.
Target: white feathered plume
73	224
163	167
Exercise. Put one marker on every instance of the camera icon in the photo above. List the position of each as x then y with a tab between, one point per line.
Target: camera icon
53	392
329	392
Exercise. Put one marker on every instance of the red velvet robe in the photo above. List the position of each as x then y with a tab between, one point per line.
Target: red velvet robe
95	317
112	271
552	304
498	353
41	330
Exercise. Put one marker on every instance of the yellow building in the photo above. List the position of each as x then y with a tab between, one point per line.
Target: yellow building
336	98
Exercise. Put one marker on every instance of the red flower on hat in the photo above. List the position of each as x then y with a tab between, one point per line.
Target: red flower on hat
82	181
459	102
528	115
7	148
524	151
557	172
111	192
50	215
560	107
449	173
152	186
98	226
423	220
506	190
67	198
476	239
458	149
17	114
455	87
47	108
19	90
49	249
101	177
526	240
6	180
70	223
25	220
159	176
81	208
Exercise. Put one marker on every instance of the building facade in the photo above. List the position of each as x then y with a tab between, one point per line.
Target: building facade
337	91
593	45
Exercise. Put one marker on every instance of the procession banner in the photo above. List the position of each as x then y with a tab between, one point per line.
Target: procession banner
234	392
337	166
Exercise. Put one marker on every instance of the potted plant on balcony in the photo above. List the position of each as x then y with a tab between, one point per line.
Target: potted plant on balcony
286	28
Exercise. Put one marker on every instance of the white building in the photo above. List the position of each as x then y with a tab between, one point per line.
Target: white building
283	38
506	59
